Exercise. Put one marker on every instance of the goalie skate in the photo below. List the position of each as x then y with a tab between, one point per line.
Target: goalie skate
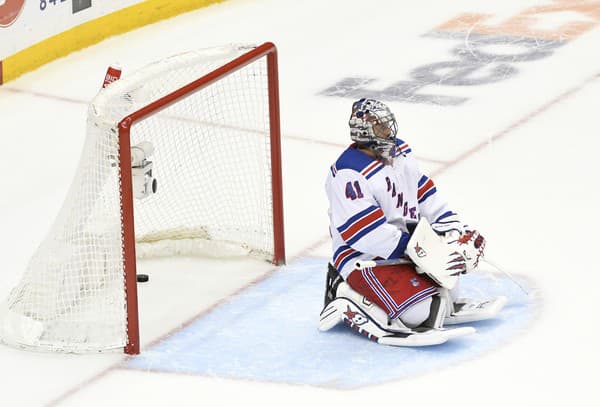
465	310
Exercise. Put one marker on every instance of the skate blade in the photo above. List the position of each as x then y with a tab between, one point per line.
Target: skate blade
428	338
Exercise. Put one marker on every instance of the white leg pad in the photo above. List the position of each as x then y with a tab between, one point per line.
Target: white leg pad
370	321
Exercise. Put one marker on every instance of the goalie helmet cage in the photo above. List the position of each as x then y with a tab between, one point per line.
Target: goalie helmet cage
212	117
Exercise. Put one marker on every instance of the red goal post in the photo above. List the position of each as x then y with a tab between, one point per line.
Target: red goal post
267	50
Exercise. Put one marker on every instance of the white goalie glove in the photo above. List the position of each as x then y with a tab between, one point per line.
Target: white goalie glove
444	258
471	245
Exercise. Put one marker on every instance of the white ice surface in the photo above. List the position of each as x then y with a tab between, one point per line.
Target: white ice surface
531	189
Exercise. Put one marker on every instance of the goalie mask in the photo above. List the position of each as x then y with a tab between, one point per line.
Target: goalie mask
373	125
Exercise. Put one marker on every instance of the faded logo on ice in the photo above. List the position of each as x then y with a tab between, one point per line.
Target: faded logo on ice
482	53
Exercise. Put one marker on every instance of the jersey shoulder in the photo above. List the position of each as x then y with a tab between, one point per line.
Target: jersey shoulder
357	161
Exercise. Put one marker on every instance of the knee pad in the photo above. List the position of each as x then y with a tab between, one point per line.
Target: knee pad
417	313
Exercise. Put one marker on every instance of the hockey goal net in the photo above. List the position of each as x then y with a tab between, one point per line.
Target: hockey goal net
181	158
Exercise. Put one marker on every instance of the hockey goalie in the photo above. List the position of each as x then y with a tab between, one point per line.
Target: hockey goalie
398	248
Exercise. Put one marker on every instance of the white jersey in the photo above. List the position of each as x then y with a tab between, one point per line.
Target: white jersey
372	205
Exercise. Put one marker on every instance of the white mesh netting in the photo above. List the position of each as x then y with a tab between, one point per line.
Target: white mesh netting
212	163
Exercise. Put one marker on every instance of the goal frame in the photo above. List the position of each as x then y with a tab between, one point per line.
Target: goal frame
267	50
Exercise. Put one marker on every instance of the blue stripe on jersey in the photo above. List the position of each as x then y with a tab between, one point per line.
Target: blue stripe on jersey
343	255
403	147
357	217
426	188
366	230
368	174
353	159
427	194
443	216
401	248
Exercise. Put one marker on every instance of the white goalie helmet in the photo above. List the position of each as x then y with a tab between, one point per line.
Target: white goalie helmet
373	125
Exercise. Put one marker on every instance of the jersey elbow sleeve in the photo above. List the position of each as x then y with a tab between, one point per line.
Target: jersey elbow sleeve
400	248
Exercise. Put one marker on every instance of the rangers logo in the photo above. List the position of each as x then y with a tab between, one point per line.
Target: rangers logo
420	251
